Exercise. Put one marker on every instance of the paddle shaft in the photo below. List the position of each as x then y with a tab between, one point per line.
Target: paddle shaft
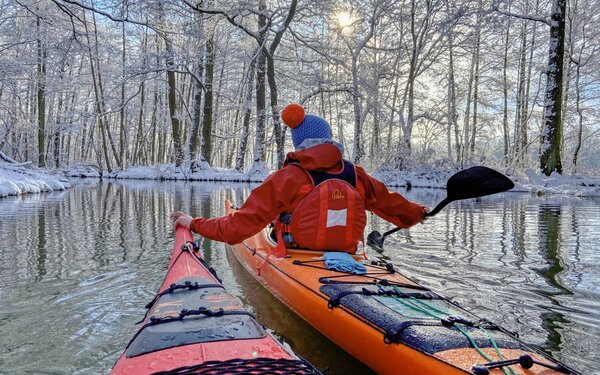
472	182
433	212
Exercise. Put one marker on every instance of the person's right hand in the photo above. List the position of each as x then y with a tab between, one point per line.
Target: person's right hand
425	212
181	218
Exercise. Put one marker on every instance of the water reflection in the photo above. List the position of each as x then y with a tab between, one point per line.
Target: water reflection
41	248
77	267
550	245
549	233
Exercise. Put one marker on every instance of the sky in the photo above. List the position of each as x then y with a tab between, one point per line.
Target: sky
18	179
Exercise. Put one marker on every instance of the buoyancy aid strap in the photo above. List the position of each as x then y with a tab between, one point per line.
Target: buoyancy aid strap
259	268
322	224
279	250
350	218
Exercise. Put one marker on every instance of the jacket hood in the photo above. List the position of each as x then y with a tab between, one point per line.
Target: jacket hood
321	157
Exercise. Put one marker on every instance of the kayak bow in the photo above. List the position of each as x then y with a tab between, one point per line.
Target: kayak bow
386	320
194	326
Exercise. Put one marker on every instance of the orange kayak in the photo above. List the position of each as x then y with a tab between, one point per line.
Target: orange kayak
386	320
193	326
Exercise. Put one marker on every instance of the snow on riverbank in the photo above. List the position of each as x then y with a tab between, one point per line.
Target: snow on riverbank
528	181
201	172
16	179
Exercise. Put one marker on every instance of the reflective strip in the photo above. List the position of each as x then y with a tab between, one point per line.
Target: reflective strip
323	203
337	217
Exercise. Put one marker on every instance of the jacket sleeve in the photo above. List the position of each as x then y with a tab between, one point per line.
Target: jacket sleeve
263	206
388	205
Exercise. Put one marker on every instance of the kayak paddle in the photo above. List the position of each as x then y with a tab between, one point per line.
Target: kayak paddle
473	182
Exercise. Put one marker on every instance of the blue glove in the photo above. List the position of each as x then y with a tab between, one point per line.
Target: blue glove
343	262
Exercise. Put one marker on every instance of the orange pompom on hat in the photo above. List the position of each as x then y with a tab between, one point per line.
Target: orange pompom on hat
304	126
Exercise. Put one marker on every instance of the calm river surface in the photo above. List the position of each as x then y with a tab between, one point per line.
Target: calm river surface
77	268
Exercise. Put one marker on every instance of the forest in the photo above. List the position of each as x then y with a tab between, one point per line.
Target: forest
403	83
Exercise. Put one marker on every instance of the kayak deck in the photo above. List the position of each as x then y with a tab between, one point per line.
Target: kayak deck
386	320
194	326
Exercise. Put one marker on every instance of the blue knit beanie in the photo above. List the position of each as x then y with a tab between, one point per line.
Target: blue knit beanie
303	125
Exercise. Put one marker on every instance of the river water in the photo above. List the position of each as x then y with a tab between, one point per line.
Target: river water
77	268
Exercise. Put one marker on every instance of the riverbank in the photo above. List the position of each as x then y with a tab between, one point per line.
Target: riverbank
17	179
25	178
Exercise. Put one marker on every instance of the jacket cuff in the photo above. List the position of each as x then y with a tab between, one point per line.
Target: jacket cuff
196	223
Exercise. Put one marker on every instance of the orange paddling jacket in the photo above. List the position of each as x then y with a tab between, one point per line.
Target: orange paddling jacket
284	189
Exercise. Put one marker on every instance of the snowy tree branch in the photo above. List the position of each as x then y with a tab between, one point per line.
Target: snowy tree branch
521	16
60	4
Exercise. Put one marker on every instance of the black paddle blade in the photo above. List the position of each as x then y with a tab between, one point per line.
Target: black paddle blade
477	181
473	182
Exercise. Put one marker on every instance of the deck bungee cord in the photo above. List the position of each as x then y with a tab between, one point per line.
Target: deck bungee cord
448	320
454	322
245	366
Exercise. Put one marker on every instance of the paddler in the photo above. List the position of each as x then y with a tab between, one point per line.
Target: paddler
317	200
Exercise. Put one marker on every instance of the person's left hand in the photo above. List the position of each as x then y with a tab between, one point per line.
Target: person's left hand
182	219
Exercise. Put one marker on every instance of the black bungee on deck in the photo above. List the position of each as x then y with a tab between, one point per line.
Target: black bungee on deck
419	319
193	311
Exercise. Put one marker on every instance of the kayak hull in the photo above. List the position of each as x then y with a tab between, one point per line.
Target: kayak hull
301	281
194	323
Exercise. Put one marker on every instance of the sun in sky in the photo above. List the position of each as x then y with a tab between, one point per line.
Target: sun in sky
344	20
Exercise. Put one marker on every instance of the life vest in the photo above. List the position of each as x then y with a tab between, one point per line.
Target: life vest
331	216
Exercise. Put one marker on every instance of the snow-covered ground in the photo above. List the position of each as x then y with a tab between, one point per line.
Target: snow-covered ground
199	172
16	179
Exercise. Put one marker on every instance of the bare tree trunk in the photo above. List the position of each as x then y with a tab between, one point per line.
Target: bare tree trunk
102	103
172	92
194	140
154	152
574	14
452	115
520	141
140	126
375	140
466	124
407	124
550	159
172	98
56	151
122	144
207	119
527	112
505	129
475	94
58	127
358	151
279	134
393	111
578	139
259	148
98	102
358	147
41	96
246	113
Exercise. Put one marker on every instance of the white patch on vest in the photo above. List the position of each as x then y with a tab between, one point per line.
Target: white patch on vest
337	217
